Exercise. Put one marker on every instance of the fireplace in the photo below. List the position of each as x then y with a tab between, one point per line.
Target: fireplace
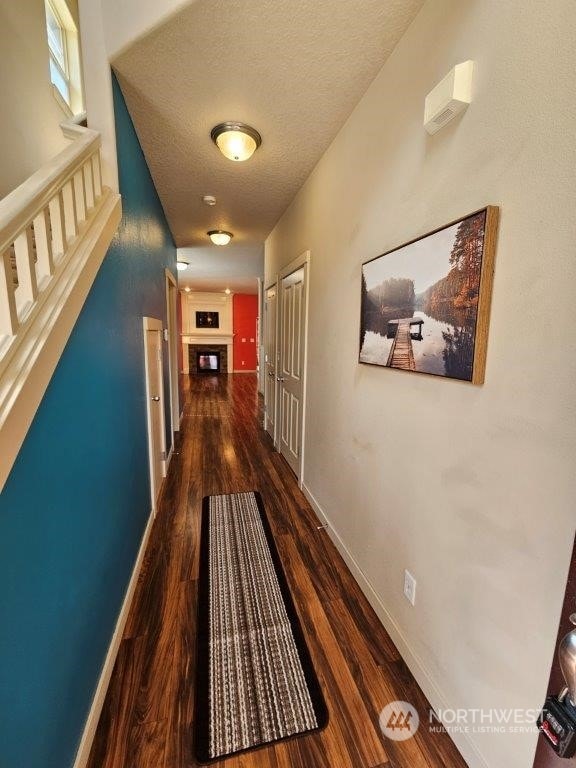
208	358
208	361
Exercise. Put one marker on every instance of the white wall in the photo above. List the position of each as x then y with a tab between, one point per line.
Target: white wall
30	116
98	85
471	488
127	20
206	302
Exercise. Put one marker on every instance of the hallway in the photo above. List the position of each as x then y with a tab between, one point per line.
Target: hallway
146	720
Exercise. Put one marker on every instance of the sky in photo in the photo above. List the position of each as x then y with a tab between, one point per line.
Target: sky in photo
425	261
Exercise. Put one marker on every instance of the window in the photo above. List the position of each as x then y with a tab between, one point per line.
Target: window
58	55
64	56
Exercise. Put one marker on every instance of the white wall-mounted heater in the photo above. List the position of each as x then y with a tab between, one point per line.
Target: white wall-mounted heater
449	98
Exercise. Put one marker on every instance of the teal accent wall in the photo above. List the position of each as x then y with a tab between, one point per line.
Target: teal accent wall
77	501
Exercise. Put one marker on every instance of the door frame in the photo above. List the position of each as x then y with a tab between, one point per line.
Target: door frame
153	324
273	284
173	341
260	337
303	260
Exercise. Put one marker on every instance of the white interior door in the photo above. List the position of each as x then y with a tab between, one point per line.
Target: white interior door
291	369
154	405
270	361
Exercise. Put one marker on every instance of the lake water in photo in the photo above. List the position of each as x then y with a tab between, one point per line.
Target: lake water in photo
445	349
421	301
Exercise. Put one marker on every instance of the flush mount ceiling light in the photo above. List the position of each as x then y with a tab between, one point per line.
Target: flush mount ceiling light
181	265
209	200
219	237
236	141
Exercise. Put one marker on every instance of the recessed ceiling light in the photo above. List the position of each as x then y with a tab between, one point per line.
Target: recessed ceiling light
187	289
227	291
209	200
236	141
181	265
219	236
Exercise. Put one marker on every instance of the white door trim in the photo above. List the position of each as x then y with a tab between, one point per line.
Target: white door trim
271	285
173	341
153	324
295	264
303	260
260	337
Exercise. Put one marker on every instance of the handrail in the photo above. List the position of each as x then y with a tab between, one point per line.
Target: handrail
19	207
39	222
55	231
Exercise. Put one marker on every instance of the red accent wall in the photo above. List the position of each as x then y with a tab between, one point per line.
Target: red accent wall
244	315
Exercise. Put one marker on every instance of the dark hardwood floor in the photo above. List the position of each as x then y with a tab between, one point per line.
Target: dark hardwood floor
147	716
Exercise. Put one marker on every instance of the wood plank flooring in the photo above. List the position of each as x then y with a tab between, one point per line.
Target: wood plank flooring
147	717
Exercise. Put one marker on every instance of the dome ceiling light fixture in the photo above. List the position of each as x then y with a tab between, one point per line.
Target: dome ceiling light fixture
219	236
181	265
236	141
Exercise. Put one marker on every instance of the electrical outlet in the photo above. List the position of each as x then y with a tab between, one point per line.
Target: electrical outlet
409	587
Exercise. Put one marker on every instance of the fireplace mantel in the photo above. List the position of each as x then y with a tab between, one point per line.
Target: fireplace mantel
206	339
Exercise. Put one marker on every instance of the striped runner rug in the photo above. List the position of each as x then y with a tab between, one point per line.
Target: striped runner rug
255	680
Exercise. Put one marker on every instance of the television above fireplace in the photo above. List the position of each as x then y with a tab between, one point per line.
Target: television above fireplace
207	320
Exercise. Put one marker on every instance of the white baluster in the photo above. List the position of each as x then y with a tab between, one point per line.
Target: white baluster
97	173
70	214
79	192
27	284
8	315
58	226
44	257
88	186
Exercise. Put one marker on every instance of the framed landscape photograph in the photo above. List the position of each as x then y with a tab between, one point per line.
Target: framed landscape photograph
425	305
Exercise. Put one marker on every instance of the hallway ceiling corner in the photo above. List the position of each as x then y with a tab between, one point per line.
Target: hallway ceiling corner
211	268
293	69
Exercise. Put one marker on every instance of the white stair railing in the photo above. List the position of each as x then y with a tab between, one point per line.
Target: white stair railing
40	220
55	229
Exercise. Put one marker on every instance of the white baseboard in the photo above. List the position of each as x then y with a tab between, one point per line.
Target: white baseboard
166	463
423	677
98	701
168	459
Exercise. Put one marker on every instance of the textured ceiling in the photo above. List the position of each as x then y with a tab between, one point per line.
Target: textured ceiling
294	69
214	269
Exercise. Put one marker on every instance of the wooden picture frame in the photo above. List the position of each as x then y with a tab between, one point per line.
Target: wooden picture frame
425	305
207	320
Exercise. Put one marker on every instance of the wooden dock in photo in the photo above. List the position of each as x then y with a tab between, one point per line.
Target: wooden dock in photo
401	353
